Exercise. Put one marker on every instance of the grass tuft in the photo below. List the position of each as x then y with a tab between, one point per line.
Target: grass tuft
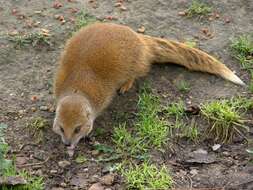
126	142
243	50
149	125
4	163
183	86
36	127
146	176
176	109
80	159
34	183
226	118
191	132
34	39
99	131
38	123
150	130
178	128
7	169
198	8
191	43
251	83
83	19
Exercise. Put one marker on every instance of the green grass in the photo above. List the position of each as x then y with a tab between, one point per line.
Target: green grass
128	143
36	127
4	163
243	50
176	109
103	148
38	123
149	125
80	159
147	103
198	8
150	131
83	19
179	128
147	176
226	117
7	169
251	84
34	39
34	183
191	43
183	86
191	132
99	131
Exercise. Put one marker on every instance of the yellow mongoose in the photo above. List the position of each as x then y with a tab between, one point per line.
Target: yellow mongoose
103	58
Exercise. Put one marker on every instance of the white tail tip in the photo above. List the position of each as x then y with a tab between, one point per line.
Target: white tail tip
233	78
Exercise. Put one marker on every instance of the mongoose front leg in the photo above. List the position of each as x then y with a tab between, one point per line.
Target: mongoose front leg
126	86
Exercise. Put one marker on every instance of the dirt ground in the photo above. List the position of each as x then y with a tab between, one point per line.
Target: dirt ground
28	71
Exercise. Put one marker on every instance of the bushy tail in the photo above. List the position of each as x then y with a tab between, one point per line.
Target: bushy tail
164	51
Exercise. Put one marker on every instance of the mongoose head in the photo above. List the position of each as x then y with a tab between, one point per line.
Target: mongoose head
73	119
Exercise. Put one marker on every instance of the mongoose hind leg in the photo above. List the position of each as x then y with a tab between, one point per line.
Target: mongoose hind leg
126	86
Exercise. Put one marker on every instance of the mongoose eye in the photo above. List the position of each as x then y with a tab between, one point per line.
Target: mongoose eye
61	128
77	129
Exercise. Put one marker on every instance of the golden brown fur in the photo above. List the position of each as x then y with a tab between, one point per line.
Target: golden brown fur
103	58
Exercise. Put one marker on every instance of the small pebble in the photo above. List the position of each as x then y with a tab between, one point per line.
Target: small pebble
123	8
21	112
216	147
33	109
64	163
225	153
37	12
182	13
63	184
227	20
94	178
96	186
107	179
13	33
43	108
95	152
194	172
141	29
200	151
53	171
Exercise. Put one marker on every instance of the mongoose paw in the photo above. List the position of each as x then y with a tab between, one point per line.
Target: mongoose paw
126	86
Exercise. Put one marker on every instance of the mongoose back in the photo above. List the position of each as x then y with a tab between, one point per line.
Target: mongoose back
101	59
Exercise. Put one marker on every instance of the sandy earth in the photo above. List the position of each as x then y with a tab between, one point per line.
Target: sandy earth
28	71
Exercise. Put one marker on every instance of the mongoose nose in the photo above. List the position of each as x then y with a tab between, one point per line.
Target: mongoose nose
67	143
